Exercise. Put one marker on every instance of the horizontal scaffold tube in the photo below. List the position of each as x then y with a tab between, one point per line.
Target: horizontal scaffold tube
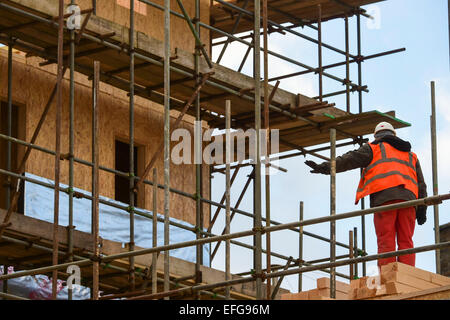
424	201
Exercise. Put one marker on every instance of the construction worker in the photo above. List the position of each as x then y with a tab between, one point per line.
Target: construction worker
391	174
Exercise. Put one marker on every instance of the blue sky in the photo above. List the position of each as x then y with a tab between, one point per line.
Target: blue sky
399	82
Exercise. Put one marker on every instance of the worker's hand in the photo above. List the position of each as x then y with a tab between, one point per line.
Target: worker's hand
323	168
421	214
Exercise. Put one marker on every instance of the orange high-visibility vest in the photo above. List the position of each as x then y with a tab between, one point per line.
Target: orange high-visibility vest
389	168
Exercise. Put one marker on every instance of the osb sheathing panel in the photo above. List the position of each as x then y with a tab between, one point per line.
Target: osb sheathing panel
151	24
31	88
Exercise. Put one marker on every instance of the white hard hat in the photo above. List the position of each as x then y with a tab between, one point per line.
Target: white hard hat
384	126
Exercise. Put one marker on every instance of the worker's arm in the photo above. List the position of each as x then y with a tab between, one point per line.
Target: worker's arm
359	158
420	181
421	211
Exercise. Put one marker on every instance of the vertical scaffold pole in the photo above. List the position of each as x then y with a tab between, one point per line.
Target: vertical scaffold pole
319	29
9	112
355	246
360	103
8	143
435	173
166	140
257	219
347	65
300	250
267	146
155	231
333	212
95	180
58	146
131	142
198	166
210	177
359	61
350	253
71	146
227	192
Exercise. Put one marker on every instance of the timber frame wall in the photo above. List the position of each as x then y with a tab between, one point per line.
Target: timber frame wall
259	95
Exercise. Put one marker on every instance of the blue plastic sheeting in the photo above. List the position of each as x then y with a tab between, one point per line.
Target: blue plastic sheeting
114	225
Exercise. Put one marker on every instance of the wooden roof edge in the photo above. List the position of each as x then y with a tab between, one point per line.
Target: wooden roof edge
345	9
390	115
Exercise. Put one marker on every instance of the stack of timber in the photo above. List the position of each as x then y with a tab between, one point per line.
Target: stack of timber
399	281
396	281
321	293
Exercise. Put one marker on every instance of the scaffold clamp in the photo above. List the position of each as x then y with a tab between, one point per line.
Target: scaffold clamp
96	258
259	229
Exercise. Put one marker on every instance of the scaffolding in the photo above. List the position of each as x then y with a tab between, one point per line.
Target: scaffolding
205	93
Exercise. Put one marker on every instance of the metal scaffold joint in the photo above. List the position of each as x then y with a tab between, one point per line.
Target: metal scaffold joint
262	230
95	258
262	275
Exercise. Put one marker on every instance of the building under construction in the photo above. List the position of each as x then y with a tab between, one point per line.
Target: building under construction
91	91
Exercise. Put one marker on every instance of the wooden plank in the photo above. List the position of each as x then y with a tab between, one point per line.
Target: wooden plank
406	269
363	282
397	288
324	283
295	296
407	279
354	284
323	298
363	293
440	279
314	294
379	294
325	292
43	230
352	294
441	293
381	291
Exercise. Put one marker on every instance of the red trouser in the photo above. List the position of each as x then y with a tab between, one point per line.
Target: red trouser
400	223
